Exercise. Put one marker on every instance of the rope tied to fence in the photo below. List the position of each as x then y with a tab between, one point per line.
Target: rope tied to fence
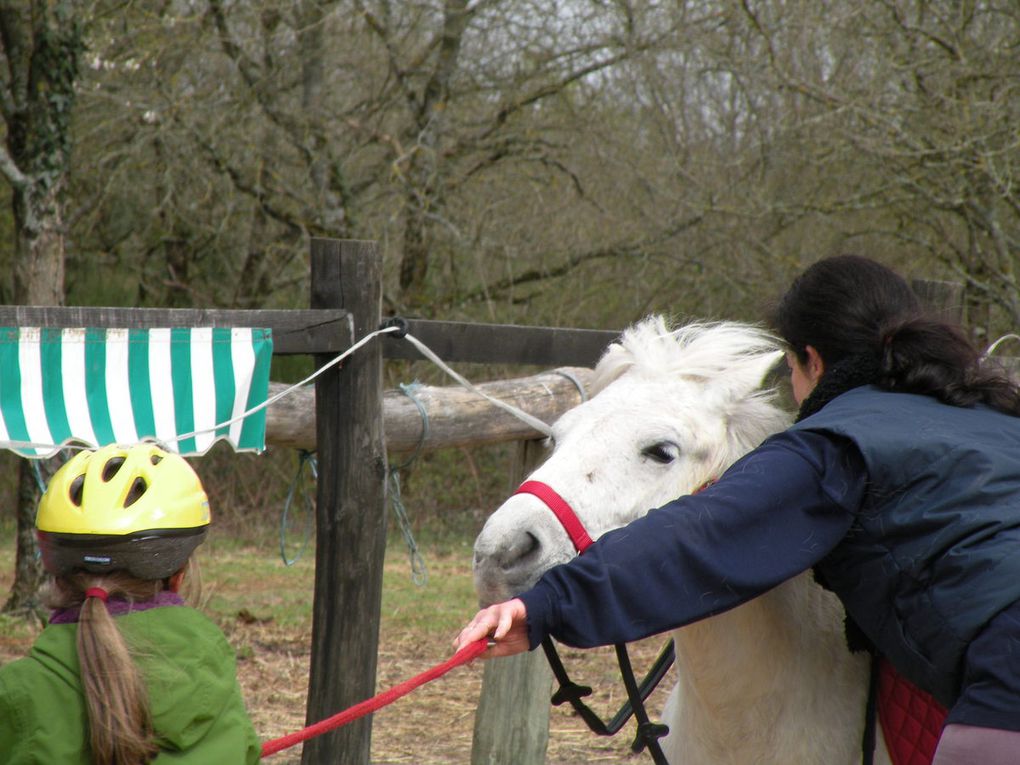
463	656
419	571
520	414
297	487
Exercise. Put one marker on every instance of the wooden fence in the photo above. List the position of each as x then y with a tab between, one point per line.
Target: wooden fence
350	438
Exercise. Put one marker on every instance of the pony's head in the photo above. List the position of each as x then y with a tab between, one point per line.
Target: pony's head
671	410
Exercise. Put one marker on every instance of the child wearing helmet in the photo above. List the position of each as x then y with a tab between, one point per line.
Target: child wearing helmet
124	673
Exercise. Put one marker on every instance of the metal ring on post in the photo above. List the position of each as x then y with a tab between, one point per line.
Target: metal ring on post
577	383
400	323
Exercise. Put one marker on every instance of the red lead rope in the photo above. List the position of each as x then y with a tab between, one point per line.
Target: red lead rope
463	656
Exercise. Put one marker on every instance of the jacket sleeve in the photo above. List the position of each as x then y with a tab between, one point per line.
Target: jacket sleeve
772	515
14	740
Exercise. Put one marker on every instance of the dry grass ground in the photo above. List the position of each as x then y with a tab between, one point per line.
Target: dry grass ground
264	609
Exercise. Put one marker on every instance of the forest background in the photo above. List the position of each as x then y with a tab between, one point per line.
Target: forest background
550	162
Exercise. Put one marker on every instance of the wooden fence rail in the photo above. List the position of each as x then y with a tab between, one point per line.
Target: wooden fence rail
294	330
453	416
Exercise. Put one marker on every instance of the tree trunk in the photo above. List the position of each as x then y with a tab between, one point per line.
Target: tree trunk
27	571
414	261
423	201
39	280
42	44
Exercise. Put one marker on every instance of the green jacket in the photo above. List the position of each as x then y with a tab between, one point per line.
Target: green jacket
190	669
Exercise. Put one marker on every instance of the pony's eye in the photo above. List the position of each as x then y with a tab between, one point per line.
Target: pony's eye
663	452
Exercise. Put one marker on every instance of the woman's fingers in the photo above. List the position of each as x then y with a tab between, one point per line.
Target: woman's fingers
482	625
509	615
505	623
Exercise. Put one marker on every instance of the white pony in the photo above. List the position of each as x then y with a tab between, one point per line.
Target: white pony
770	681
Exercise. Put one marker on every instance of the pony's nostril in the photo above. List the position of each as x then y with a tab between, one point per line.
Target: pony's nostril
532	543
524	546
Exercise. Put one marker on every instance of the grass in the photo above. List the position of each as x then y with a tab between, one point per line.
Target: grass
255	580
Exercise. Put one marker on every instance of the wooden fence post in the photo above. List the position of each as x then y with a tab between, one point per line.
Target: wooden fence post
512	718
350	511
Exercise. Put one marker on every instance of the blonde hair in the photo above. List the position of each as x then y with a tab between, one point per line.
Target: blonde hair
116	698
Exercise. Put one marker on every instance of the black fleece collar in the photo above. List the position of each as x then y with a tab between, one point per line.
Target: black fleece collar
846	374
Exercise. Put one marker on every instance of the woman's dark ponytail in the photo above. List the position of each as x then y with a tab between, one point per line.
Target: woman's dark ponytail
926	356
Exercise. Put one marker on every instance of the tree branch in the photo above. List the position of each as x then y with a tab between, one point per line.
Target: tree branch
220	164
579	259
252	75
11	171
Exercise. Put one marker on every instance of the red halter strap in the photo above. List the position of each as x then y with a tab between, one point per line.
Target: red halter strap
563	512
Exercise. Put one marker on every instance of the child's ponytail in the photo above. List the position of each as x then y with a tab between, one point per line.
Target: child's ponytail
120	725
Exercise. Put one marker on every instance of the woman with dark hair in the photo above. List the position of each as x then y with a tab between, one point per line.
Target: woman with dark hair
903	471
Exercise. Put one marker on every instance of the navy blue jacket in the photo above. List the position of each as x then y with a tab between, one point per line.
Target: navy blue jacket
934	552
909	506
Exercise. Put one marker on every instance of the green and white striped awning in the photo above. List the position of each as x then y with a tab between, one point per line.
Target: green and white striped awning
184	388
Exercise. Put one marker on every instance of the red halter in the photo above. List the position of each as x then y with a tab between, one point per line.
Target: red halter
565	513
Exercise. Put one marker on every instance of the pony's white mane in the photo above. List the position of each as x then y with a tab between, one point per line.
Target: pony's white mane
727	353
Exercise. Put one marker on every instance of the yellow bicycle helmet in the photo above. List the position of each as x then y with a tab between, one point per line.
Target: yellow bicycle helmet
135	508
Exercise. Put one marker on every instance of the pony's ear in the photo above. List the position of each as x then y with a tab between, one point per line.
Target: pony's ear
773	369
776	378
615	361
761	371
751	420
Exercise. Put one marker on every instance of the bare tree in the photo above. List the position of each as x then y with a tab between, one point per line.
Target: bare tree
424	125
504	153
917	102
42	45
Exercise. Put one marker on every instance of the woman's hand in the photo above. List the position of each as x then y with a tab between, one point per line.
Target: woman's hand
505	623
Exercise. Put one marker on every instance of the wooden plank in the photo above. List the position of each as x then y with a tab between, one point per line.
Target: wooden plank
294	331
350	507
502	343
453	416
512	718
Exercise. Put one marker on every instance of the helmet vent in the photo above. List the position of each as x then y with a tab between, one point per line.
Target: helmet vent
76	490
136	491
156	459
111	467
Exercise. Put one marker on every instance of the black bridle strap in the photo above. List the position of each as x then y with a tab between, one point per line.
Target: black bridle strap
870	715
648	733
